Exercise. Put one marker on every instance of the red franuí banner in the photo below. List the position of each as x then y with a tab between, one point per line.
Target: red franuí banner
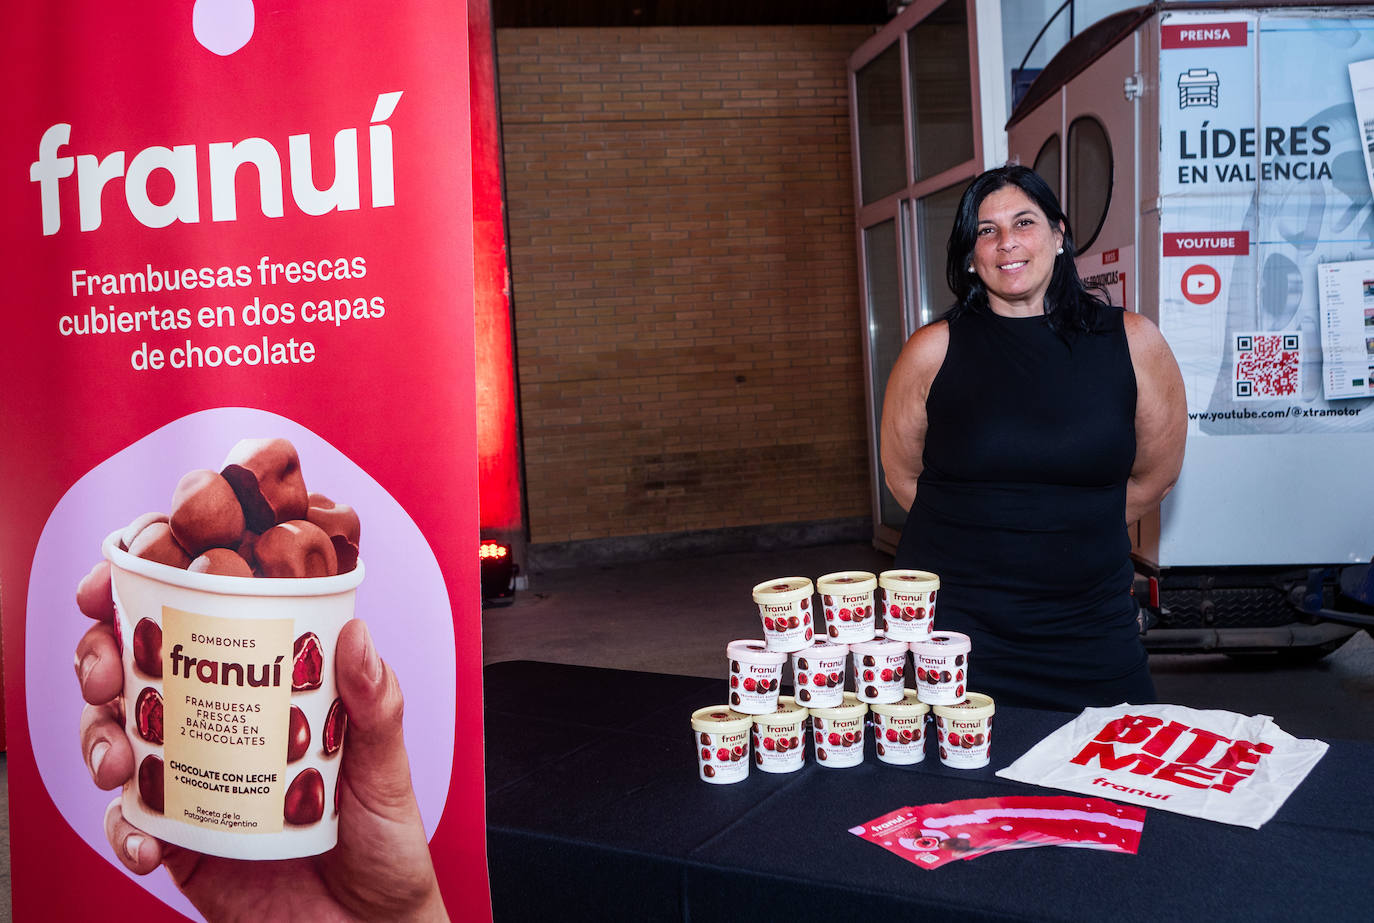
238	250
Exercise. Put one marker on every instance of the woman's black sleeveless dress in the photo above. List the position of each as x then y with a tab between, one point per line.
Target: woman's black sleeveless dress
1020	510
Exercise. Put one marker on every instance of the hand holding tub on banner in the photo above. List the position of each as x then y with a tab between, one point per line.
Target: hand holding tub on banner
207	759
381	868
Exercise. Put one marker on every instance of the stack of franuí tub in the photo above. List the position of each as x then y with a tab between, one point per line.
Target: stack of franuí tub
832	646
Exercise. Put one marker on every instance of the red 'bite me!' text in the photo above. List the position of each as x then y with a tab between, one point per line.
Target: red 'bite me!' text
1173	752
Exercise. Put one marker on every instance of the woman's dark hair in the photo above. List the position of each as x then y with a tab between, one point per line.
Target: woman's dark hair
1069	307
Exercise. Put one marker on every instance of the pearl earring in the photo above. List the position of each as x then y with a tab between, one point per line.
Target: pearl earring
1060	250
970	269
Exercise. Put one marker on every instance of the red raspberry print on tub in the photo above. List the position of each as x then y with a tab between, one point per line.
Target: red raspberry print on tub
148	715
147	647
307	671
305	798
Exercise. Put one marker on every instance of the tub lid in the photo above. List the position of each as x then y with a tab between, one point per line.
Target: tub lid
783	590
753	651
909	581
882	645
974	707
909	707
823	646
789	712
856	582
720	719
941	643
850	708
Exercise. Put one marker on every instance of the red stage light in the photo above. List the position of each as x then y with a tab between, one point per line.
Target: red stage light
498	572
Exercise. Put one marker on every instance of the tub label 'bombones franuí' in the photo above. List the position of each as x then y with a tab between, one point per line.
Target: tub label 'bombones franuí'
228	611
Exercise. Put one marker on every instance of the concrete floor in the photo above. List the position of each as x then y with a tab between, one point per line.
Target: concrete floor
676	616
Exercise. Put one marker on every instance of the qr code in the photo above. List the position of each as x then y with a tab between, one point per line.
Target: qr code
1268	365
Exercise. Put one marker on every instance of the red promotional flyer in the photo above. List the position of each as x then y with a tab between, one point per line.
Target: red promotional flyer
239	485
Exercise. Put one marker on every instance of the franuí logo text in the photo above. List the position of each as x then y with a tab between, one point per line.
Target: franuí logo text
220	165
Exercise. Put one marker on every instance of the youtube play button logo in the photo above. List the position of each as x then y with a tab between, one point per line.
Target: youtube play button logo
1201	284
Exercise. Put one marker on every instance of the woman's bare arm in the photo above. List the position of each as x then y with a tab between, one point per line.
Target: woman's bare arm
903	431
1161	418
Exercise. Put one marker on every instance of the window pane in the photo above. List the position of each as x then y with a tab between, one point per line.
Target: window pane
885	335
1090	179
941	99
1047	165
878	111
935	218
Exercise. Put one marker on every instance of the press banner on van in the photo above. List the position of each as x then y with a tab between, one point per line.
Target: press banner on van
1263	179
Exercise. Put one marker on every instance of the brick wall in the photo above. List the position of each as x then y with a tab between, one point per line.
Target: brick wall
683	268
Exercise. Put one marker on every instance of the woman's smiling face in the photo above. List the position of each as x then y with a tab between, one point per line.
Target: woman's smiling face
1014	251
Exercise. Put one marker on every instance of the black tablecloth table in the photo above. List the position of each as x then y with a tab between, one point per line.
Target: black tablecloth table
595	811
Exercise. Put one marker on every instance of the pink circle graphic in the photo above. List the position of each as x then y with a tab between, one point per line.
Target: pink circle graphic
223	26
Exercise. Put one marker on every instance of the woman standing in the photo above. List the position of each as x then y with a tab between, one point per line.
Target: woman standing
1024	433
